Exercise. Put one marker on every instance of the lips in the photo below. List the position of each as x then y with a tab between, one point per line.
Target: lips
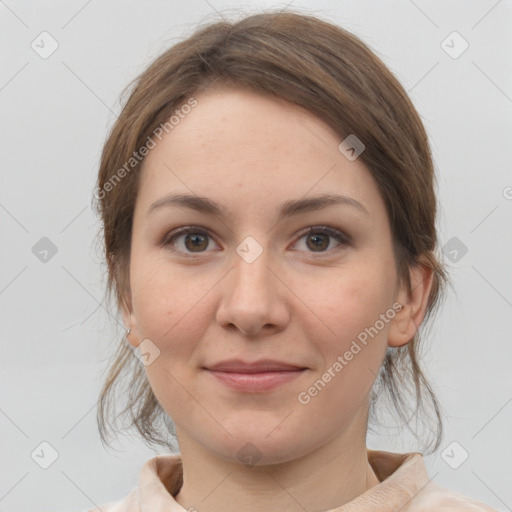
254	377
261	366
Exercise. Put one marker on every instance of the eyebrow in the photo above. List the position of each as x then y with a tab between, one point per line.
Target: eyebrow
288	208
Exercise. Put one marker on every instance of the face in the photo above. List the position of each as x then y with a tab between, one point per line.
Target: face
248	283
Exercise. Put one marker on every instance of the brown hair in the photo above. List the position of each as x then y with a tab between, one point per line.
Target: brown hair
334	75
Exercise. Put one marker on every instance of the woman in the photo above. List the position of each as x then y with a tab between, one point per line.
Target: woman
268	206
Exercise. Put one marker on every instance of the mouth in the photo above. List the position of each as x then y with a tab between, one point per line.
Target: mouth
255	380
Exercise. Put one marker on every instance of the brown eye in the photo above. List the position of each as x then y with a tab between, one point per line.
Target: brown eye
194	240
318	239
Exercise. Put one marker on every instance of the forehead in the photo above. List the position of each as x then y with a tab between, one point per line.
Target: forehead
238	146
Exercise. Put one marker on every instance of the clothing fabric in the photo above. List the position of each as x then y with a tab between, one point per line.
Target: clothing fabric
404	486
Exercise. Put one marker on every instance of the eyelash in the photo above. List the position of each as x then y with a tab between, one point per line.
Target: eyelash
314	230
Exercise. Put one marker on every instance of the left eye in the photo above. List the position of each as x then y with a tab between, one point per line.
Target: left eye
196	238
319	237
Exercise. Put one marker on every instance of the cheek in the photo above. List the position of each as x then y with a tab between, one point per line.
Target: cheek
350	309
169	305
170	312
353	354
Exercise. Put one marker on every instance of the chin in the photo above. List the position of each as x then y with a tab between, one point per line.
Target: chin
255	447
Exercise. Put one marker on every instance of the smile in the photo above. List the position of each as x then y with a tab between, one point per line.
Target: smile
255	382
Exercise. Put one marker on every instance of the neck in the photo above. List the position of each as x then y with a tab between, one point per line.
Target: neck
333	475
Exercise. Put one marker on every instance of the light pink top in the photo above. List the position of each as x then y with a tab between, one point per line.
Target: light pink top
404	486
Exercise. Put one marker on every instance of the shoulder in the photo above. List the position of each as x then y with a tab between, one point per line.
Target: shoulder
405	482
435	497
129	503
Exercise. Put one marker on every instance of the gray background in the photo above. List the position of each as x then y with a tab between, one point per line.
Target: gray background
55	333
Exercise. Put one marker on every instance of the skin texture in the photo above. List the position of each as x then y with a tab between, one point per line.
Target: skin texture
298	301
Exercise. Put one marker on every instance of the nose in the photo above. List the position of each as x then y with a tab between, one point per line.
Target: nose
253	298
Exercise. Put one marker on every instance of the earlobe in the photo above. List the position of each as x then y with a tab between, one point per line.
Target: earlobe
406	322
131	327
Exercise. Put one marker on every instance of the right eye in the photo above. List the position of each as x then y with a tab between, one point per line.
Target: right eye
193	238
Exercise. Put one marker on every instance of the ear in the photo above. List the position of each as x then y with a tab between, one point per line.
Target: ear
130	323
406	322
